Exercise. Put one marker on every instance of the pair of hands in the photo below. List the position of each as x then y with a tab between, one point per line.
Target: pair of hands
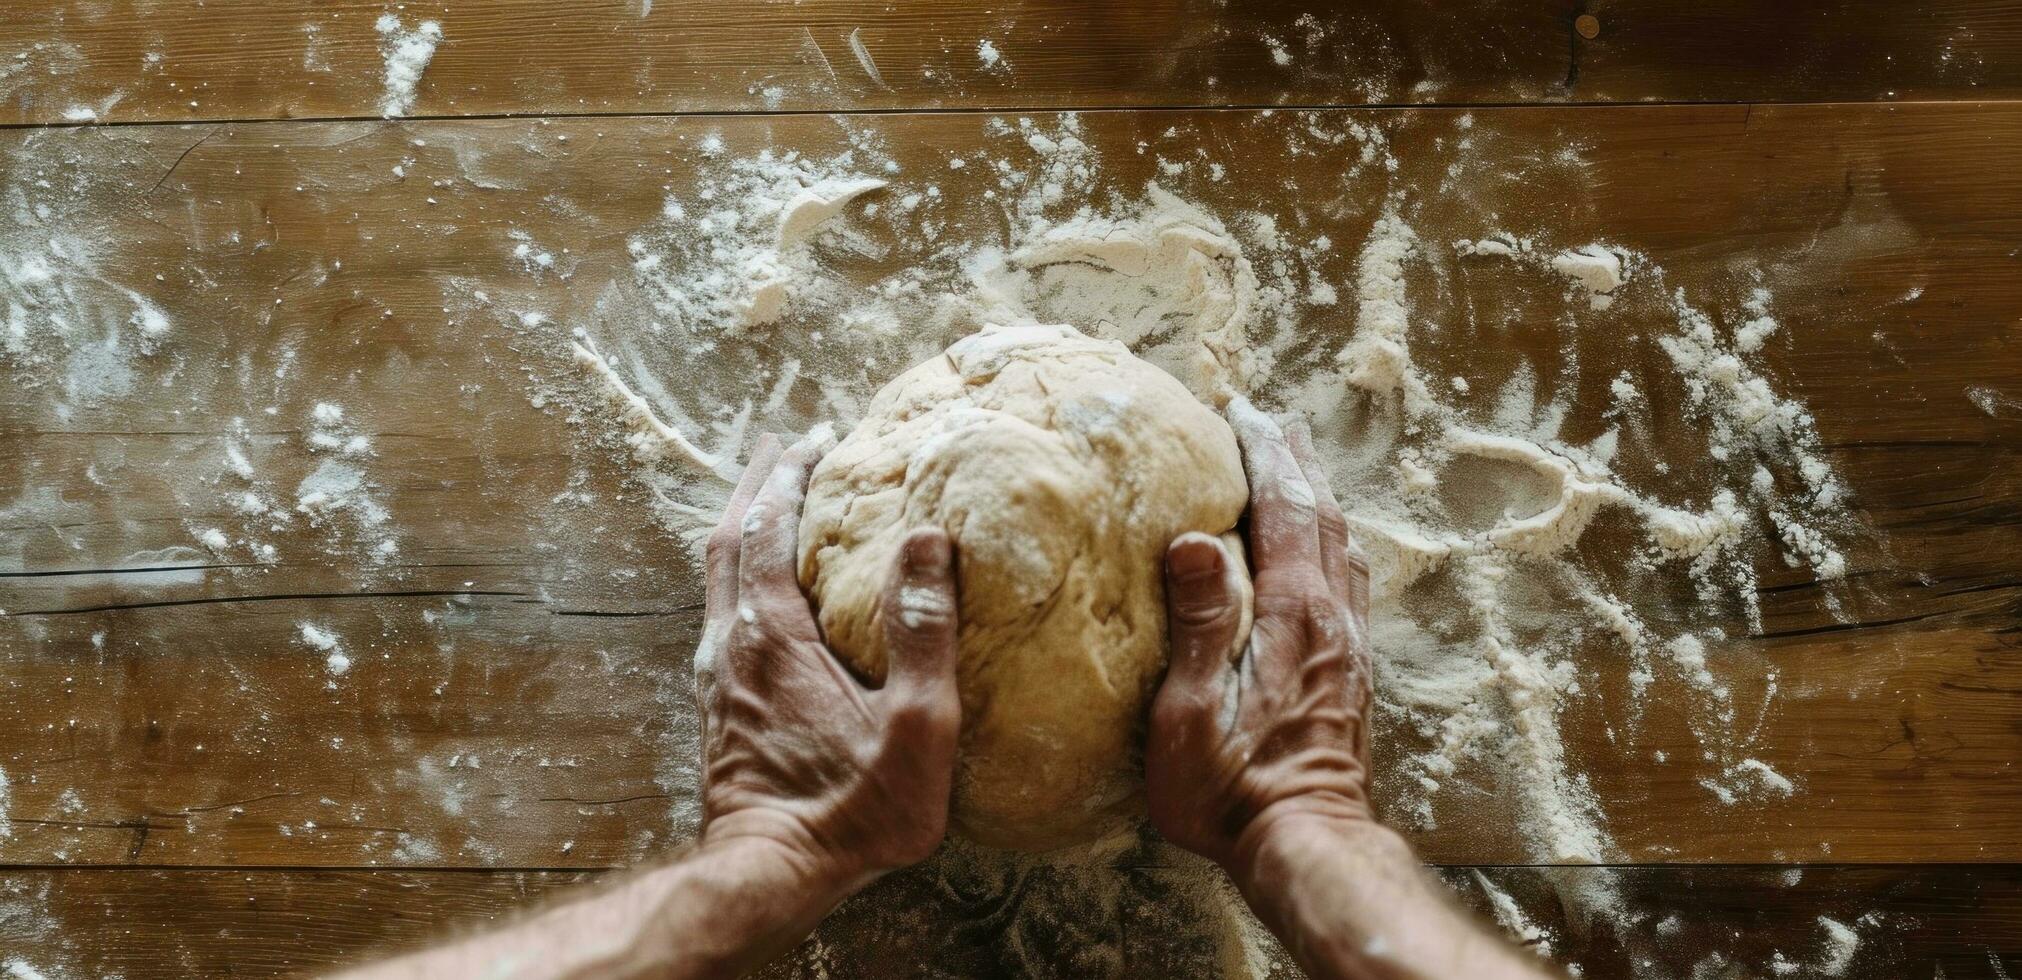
848	782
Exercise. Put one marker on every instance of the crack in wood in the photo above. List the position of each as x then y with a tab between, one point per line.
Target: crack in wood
1847	627
184	156
231	803
141	570
622	799
1989	587
277	597
1811	583
1909	444
615	614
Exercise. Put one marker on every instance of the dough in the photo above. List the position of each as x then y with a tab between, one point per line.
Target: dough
1062	467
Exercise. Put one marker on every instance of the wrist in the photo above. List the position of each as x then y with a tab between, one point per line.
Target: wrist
733	901
1285	835
779	850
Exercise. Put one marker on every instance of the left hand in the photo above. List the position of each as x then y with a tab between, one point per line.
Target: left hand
850	781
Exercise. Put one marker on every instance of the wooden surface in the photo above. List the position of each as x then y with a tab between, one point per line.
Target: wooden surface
1911	688
191	793
255	59
233	923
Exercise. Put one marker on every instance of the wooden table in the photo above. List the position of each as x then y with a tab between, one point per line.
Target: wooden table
188	792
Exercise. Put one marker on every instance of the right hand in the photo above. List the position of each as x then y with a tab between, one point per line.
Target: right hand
1240	746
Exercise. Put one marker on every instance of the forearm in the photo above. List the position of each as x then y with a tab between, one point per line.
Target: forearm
1349	900
720	910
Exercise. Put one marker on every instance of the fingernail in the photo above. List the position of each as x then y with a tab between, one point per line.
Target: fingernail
927	554
1193	558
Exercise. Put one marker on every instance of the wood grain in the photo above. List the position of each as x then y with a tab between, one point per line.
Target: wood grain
1965	920
249	59
516	695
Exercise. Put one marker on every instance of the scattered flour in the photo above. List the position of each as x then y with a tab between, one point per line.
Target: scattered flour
1495	609
406	53
764	217
650	438
1749	779
1994	403
335	489
1514	922
411	849
1841	943
1498	245
990	58
1597	268
1133	273
326	642
66	321
1507	709
863	55
6	805
1475	504
330	432
1378	358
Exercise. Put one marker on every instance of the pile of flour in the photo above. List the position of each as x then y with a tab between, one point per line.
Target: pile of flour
803	284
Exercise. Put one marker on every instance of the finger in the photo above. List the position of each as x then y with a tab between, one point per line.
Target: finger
720	555
920	619
1203	612
769	539
1282	505
1335	543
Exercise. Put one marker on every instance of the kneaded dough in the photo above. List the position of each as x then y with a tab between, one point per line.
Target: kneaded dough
1062	467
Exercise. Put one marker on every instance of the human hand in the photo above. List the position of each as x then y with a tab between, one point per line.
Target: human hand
850	781
1238	746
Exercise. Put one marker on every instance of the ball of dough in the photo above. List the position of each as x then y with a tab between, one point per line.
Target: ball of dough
1062	467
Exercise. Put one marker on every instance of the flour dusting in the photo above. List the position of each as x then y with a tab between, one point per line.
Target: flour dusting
406	53
1551	561
1514	556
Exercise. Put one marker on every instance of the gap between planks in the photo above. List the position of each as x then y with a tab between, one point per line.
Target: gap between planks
1385	107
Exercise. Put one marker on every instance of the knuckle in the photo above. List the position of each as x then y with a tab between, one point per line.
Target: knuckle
1304	583
1201	612
750	636
755	522
1286	496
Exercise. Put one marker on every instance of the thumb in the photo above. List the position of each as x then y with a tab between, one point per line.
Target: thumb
920	616
1203	610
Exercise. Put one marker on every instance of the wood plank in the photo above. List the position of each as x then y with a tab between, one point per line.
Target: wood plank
1965	920
1886	231
246	59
